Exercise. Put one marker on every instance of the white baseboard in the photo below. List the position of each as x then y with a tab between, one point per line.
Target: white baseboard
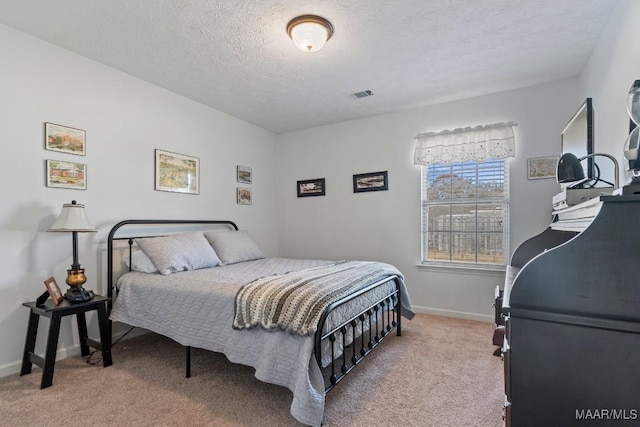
71	351
452	313
62	353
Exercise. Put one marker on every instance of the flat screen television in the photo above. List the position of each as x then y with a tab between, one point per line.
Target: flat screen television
577	136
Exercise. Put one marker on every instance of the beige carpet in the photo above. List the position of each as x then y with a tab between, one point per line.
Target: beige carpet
441	372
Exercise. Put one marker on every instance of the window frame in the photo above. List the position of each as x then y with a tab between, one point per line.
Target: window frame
425	204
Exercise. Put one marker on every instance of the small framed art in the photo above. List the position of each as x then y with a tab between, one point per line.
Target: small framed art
373	181
66	174
177	173
64	139
54	290
542	167
243	174
243	196
311	187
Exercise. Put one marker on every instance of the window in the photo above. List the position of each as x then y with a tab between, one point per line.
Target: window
465	194
465	212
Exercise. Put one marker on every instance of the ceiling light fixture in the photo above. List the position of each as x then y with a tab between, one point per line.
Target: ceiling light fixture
309	32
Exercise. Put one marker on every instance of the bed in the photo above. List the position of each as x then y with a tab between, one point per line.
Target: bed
206	284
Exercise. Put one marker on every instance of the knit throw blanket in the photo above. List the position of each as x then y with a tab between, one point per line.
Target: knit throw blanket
295	301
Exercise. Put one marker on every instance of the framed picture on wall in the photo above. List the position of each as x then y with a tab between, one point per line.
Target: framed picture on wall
542	167
64	139
243	196
311	187
373	181
243	174
177	173
66	174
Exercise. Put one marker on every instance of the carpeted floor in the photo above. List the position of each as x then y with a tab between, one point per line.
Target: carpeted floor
441	372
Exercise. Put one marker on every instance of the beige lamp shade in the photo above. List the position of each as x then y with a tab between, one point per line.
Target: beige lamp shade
72	218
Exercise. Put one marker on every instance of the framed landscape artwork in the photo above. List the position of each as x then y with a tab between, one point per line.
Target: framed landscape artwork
243	174
542	167
311	187
243	196
373	181
177	173
66	174
64	139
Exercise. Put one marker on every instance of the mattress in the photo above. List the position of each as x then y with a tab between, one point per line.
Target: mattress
196	308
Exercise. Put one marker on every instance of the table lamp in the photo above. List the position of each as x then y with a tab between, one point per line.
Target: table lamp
569	170
73	219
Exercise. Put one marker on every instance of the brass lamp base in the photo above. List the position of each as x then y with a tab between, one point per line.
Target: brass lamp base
76	293
75	277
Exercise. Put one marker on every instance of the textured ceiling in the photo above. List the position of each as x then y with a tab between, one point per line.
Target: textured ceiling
235	55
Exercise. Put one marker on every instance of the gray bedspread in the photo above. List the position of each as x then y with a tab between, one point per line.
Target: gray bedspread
196	308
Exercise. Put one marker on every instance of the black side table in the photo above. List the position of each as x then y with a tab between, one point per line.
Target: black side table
55	313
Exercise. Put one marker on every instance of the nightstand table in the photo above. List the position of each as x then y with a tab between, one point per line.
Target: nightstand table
56	313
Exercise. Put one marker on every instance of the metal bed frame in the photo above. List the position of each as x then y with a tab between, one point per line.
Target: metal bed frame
375	322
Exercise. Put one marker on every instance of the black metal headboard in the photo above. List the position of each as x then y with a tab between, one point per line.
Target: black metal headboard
146	222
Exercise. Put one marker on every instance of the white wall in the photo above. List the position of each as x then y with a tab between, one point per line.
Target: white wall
385	225
125	120
612	67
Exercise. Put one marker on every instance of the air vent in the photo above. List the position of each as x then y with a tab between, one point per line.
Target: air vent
363	94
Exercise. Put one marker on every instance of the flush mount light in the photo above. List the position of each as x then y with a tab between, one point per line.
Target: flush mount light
309	32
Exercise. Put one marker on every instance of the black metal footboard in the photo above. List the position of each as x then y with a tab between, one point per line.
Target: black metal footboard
357	336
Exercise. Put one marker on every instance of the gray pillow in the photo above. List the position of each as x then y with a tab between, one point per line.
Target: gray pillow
140	262
234	246
179	252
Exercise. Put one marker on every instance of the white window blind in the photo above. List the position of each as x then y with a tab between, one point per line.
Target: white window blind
465	212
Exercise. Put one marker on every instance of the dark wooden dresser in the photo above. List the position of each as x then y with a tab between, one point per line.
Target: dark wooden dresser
572	313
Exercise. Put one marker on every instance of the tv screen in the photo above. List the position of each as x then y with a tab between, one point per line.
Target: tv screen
577	136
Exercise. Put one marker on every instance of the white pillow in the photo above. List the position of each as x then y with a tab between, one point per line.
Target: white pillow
179	252
140	262
233	246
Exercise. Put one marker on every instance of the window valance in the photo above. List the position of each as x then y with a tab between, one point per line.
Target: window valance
477	143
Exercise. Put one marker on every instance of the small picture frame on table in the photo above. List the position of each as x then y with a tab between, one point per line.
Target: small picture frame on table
54	290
